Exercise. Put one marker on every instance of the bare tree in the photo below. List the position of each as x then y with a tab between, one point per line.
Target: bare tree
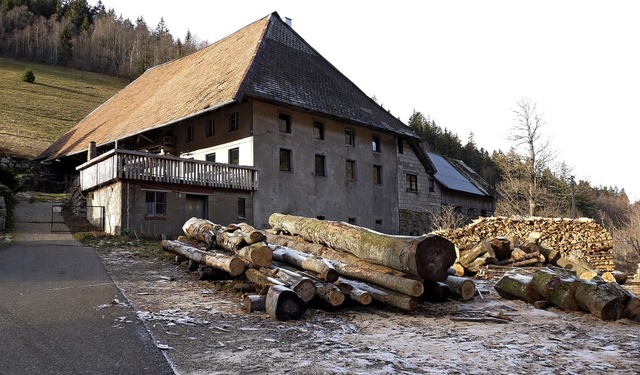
527	134
627	240
445	217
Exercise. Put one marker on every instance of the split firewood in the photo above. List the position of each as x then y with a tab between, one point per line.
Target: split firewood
469	256
284	304
228	263
550	255
354	293
516	284
320	266
458	269
461	287
428	257
519	256
388	297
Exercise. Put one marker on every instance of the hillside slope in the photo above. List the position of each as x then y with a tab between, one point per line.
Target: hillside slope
32	116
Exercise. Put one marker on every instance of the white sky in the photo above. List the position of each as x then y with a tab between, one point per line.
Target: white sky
467	63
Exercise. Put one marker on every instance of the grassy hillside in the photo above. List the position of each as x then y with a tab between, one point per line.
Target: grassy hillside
32	116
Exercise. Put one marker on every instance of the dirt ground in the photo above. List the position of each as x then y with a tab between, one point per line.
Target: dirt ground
203	330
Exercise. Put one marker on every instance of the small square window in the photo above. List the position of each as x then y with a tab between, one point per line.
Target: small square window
400	146
351	220
234	156
211	128
412	182
318	130
190	133
432	185
211	157
375	143
156	203
234	121
349	137
284	123
285	160
350	167
242	208
320	165
377	174
320	217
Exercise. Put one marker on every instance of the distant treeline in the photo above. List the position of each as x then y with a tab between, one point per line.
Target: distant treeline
74	34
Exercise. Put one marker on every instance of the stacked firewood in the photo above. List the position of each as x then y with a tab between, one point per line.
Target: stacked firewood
562	235
562	288
300	259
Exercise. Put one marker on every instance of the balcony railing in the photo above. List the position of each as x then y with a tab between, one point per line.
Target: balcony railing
141	166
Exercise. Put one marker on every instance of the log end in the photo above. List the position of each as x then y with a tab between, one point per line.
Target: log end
434	256
236	267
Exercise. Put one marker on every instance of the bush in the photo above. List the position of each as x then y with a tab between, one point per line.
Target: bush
10	201
28	76
9	178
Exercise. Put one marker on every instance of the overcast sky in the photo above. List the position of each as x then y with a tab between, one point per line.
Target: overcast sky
467	63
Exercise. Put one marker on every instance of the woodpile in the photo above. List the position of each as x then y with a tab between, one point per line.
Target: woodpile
564	237
562	288
302	260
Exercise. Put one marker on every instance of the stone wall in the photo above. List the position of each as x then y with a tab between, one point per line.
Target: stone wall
33	175
3	214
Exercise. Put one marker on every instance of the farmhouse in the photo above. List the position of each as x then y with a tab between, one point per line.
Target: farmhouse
255	123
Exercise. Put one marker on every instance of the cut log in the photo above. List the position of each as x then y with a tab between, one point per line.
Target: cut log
253	303
261	278
302	285
468	256
632	308
410	287
557	287
458	269
317	265
257	253
588	275
605	301
550	255
250	234
501	248
461	287
388	297
621	277
436	291
355	294
428	256
608	277
228	263
284	304
516	284
200	229
329	293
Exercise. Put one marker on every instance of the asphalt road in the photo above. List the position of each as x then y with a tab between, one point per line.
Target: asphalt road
59	310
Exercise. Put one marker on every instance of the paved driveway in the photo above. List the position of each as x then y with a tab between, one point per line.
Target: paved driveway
59	310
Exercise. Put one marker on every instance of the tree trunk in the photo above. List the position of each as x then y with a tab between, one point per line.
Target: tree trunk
284	304
388	297
355	294
461	287
557	288
253	303
228	263
428	256
250	234
319	266
516	284
257	253
200	229
605	301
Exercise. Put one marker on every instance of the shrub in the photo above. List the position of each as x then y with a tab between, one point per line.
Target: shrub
9	178
10	201
28	76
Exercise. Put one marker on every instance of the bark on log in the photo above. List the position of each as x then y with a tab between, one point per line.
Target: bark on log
458	269
284	304
468	256
388	297
516	284
257	253
461	287
228	263
302	285
501	248
428	256
200	229
436	291
410	287
250	234
355	294
550	255
605	301
319	266
253	303
557	287
261	278
329	293
632	308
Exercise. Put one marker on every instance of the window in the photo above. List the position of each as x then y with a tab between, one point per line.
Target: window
284	123
412	182
156	203
242	207
211	157
349	137
285	160
377	174
234	156
350	167
190	133
400	146
375	143
211	128
432	185
318	130
320	167
351	220
234	121
320	217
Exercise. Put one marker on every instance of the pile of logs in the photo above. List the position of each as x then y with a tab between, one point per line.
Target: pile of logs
302	259
563	289
561	235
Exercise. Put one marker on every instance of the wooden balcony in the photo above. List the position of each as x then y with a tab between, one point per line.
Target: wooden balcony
141	166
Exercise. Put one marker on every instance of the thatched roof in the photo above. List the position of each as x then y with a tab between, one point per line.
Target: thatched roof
265	60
